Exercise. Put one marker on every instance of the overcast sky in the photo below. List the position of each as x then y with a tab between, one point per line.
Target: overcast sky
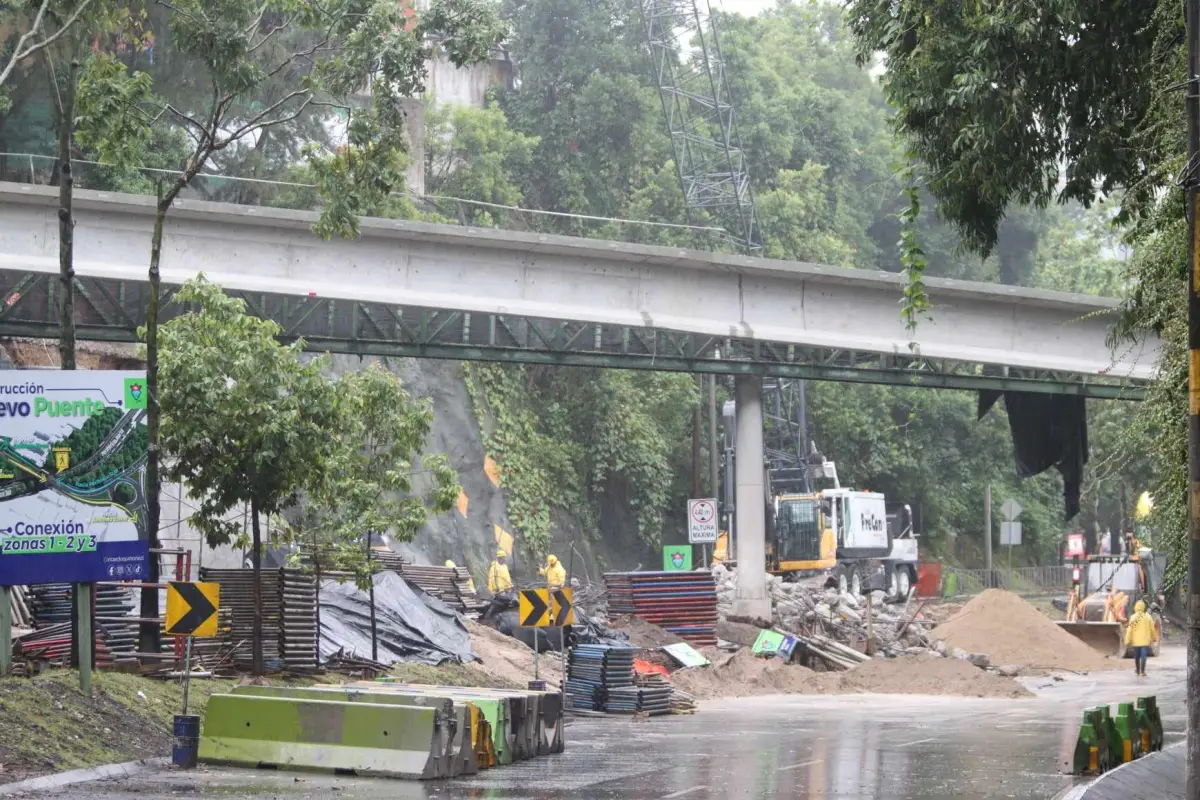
746	7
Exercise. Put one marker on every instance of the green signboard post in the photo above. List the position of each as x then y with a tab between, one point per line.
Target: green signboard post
677	558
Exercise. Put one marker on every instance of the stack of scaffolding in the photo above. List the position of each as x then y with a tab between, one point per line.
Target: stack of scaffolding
451	585
298	633
114	604
289	618
237	596
51	604
684	603
596	670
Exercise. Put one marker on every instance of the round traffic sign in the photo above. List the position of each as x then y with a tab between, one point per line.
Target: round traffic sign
703	511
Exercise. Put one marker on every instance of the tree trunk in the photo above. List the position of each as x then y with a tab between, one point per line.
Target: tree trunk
150	630
66	275
256	635
66	227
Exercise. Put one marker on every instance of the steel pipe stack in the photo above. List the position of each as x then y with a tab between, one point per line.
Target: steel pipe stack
684	603
595	670
51	604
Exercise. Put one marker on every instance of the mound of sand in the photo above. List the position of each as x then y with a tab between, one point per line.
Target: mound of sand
642	633
928	675
745	675
1012	632
506	658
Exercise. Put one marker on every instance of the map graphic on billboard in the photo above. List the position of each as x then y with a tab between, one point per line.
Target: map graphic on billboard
73	451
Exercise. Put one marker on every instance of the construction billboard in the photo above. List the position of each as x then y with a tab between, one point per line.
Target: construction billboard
73	449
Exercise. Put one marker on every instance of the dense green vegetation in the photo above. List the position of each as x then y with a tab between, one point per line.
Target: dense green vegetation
817	128
998	101
582	132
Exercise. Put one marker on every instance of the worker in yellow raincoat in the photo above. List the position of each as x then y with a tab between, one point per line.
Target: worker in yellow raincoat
556	576
498	578
1140	634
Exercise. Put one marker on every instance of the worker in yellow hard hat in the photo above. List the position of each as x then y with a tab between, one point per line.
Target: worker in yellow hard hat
498	578
1140	634
556	576
470	580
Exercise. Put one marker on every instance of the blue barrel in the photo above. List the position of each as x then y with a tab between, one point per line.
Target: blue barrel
537	686
187	741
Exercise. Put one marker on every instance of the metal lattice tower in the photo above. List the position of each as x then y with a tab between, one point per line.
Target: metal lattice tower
785	434
686	58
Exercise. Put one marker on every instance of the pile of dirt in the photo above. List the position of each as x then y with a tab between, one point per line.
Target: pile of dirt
1011	632
744	674
503	658
928	675
642	633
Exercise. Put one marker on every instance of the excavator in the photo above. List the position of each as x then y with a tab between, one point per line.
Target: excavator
1104	592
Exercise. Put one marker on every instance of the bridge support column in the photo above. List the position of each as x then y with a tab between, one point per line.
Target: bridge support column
751	599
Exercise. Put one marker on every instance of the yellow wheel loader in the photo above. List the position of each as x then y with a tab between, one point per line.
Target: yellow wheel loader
1102	600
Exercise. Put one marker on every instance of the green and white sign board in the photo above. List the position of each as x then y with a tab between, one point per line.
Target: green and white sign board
677	558
73	452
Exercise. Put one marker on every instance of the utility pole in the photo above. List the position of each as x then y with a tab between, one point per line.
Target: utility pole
1192	110
987	532
714	456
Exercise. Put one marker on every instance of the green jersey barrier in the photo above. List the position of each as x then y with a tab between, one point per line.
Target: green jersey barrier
296	733
454	723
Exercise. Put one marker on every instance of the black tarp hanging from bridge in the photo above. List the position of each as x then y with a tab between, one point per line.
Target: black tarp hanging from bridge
1048	430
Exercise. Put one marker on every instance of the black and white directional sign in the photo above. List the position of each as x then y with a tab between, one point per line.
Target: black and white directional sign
702	521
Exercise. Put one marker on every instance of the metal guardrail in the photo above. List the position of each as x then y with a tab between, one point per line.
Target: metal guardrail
1021	580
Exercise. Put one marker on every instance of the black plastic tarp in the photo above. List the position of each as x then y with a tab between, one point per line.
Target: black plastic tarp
411	625
1048	430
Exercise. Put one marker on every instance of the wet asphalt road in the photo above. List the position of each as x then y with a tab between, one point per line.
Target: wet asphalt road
867	747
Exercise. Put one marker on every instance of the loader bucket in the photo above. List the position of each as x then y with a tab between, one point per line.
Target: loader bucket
1106	637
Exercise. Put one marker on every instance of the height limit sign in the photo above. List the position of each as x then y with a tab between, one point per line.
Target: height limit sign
702	521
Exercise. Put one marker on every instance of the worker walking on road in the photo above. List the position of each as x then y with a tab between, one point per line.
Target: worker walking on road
498	578
556	576
1140	633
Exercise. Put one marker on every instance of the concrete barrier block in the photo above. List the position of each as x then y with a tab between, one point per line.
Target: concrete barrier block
297	733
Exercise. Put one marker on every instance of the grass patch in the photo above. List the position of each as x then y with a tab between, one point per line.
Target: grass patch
450	674
47	726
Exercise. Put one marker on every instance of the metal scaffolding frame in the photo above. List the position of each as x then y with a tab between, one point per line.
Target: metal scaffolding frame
685	54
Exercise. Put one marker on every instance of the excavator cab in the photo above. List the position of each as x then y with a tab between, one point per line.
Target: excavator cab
803	533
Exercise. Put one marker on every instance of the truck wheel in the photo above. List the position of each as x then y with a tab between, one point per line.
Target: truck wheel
855	582
903	582
842	585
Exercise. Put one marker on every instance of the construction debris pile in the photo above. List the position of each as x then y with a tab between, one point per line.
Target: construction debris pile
834	625
684	603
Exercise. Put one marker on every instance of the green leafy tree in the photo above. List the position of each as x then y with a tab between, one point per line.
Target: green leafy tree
41	23
334	50
372	459
246	421
474	154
